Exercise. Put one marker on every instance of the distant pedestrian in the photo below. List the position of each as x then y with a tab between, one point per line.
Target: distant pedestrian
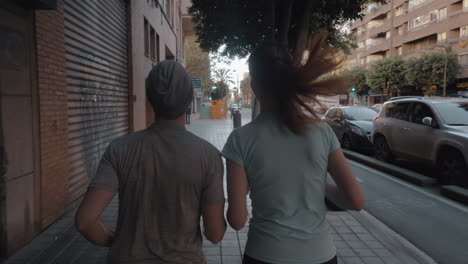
187	115
282	159
166	178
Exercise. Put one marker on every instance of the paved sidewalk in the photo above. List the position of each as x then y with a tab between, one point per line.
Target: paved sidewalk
359	237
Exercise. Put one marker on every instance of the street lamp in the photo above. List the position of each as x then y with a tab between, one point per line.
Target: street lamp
446	49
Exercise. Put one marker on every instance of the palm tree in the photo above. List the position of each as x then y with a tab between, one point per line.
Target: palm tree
223	75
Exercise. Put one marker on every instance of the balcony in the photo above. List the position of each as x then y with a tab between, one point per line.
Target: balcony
378	47
418	5
372	32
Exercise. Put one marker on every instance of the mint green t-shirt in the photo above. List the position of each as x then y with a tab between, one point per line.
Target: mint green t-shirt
286	175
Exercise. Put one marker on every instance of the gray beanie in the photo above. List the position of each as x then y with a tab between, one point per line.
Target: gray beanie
169	89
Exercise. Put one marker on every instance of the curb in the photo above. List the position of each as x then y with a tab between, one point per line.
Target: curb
398	172
409	253
455	193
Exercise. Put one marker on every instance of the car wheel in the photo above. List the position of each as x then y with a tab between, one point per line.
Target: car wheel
452	168
346	142
382	151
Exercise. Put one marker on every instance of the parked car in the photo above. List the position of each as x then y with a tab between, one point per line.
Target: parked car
352	125
377	106
432	130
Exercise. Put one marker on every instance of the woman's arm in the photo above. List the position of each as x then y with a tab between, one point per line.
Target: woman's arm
347	192
88	217
237	187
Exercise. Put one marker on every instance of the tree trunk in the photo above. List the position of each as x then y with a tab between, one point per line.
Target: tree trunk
284	21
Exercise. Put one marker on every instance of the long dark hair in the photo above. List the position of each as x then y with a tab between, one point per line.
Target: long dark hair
290	83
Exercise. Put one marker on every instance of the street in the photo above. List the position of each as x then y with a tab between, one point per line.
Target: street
433	223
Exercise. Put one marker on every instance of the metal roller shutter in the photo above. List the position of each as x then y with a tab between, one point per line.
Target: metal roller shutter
97	83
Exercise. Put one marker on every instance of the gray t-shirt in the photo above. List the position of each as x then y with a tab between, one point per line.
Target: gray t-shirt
163	176
286	175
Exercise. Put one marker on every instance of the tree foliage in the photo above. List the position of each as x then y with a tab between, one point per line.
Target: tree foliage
390	70
221	91
359	80
428	70
241	25
223	75
198	63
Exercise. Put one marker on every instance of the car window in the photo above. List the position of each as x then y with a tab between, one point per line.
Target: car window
419	112
330	114
360	113
339	114
398	111
453	113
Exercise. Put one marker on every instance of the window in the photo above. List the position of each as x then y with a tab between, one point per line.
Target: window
389	15
146	37
388	34
463	59
361	45
399	11
152	43
331	114
158	58
443	13
419	112
424	19
465	4
164	6
441	37
400	30
464	31
400	51
398	111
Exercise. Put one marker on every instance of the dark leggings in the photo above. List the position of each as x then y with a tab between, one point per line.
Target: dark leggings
249	260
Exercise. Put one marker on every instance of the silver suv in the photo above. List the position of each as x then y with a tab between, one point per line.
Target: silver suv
433	130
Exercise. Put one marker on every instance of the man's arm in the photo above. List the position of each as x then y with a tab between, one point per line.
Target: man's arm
213	222
88	217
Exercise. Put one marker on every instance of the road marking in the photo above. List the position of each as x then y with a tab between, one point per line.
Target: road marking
438	198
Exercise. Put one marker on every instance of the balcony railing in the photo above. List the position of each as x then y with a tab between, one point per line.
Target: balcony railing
411	8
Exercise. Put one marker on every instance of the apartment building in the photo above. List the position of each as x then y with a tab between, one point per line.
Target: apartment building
410	28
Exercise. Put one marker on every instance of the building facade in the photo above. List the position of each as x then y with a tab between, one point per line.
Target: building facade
71	80
410	28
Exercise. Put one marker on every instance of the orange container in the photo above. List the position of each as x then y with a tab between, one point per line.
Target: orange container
218	109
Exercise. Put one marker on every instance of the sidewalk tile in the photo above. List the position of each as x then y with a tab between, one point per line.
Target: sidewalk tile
372	260
213	259
353	260
364	252
232	259
382	252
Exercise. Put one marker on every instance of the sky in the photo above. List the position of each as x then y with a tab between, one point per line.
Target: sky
238	66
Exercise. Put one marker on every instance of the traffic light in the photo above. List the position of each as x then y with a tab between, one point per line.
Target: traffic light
214	87
353	89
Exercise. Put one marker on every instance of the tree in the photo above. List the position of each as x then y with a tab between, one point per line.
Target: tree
240	25
388	74
198	63
359	80
428	70
220	92
223	75
247	93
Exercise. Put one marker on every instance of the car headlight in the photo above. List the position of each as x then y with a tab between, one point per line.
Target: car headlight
358	130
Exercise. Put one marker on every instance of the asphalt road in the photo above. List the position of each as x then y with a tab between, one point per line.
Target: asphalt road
434	224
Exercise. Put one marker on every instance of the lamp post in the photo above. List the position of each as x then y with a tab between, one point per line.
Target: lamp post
446	49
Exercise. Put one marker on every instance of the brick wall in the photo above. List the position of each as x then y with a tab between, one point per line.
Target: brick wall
49	26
